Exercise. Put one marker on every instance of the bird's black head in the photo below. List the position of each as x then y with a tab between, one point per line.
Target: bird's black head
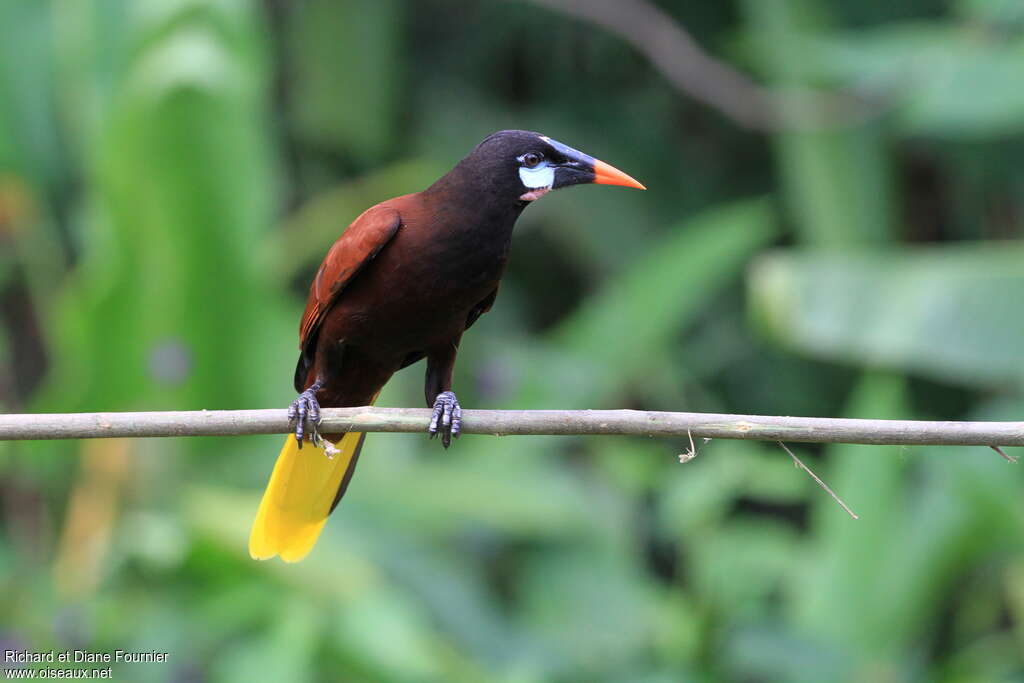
521	166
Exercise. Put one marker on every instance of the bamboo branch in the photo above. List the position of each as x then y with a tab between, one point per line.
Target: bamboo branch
502	422
678	56
694	73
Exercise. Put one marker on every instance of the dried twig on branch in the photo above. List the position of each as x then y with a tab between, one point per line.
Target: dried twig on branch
800	463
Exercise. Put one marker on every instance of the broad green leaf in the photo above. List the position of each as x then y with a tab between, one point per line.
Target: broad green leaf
613	609
304	239
286	652
946	80
838	185
835	172
738	566
162	296
950	313
617	333
390	633
347	76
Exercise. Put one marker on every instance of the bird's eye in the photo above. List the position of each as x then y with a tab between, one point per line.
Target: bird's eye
531	159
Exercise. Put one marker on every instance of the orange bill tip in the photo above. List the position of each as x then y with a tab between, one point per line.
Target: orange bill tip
606	174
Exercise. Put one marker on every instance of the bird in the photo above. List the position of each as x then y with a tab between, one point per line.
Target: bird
402	283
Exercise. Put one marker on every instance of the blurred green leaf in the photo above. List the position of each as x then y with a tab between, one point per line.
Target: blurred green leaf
998	13
307	235
613	337
944	312
518	494
348	78
150	294
286	653
950	81
613	608
658	293
835	174
391	633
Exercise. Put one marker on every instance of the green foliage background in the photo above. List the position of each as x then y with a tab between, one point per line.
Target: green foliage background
171	173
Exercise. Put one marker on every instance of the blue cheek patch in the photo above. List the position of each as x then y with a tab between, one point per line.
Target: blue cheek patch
541	175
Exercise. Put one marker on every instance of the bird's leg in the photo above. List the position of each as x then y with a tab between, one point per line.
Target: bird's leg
446	419
304	408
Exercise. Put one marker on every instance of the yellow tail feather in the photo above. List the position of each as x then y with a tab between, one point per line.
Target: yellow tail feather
299	497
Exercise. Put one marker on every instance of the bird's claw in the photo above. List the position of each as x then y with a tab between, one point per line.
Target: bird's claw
305	412
446	419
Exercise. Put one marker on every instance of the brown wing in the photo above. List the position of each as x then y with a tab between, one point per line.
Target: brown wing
356	247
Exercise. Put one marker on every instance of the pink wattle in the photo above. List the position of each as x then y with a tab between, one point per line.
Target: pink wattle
535	194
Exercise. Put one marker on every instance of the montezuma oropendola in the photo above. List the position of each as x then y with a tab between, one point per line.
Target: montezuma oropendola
402	283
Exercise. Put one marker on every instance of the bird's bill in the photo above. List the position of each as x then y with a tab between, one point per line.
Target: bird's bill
580	169
606	174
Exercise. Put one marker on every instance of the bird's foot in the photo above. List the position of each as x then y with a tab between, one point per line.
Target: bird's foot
305	412
447	418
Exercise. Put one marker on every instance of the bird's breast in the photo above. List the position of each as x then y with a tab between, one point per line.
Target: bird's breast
420	289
